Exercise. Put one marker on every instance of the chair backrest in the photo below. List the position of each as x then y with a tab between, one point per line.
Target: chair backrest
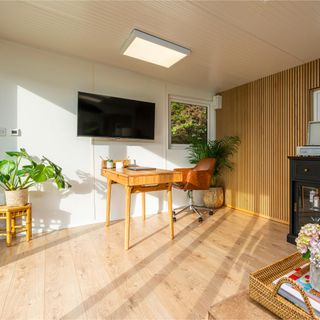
202	174
207	164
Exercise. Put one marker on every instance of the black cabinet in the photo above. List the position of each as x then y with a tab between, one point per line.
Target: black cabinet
304	193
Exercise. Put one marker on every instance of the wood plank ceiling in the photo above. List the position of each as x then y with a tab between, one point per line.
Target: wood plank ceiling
232	42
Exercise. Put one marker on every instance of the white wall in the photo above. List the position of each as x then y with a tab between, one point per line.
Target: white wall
38	94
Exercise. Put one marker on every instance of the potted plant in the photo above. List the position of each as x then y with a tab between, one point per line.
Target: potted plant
22	172
221	150
308	244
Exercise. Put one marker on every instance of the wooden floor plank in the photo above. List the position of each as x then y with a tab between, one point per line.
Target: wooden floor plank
7	270
25	298
62	290
100	295
84	272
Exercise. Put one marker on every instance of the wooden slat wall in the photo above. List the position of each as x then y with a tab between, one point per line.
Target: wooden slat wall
270	115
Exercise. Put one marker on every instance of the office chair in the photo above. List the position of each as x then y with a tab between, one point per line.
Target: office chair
196	178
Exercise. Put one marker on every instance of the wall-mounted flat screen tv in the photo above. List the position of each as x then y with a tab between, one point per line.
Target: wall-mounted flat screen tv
112	117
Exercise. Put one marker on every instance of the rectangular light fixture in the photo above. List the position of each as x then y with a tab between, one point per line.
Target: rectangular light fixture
144	46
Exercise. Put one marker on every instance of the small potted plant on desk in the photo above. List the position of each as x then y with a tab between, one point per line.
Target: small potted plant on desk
221	150
22	172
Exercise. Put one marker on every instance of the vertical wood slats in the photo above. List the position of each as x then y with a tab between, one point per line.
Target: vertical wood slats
270	115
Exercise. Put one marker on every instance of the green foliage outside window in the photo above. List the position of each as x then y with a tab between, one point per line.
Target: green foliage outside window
188	122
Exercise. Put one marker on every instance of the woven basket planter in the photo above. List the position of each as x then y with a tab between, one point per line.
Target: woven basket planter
17	197
214	197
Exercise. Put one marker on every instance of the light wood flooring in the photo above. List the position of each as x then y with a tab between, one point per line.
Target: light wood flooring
84	273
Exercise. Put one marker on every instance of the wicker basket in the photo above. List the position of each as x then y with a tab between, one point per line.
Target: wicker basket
262	290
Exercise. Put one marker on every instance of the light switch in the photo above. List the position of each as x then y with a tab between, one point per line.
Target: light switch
3	132
15	132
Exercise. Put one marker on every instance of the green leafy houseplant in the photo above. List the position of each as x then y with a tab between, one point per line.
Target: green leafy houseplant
22	172
220	149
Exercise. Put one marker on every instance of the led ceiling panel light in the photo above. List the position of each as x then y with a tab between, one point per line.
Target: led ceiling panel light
144	46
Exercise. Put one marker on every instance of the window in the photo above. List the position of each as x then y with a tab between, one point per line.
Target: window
188	119
316	105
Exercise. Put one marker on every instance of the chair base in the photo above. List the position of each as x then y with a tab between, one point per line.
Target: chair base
192	208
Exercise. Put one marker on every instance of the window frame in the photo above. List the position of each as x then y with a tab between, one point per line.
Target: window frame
199	102
316	104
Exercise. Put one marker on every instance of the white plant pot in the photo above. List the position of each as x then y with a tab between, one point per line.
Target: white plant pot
17	197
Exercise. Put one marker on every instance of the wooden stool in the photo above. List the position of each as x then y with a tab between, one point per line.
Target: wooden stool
10	214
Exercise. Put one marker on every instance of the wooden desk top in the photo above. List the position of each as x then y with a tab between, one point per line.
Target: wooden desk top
133	178
133	173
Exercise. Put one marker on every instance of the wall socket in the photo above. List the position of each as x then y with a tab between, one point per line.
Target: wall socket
3	132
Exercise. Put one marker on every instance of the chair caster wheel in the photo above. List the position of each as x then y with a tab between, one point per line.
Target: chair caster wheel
211	212
174	219
200	219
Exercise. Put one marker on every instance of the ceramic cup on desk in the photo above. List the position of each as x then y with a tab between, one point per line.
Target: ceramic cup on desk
119	165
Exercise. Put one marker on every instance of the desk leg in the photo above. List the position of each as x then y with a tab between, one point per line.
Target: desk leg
127	221
8	229
109	184
143	195
170	211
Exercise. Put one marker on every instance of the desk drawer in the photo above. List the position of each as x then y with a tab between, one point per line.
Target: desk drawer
307	170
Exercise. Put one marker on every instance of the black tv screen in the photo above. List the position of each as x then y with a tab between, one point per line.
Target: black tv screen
112	117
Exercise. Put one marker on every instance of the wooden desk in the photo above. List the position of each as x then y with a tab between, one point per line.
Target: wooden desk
140	181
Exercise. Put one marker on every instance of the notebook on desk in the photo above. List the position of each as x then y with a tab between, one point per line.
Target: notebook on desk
137	168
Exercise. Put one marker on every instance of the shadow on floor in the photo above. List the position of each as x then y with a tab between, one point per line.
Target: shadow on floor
11	257
150	285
